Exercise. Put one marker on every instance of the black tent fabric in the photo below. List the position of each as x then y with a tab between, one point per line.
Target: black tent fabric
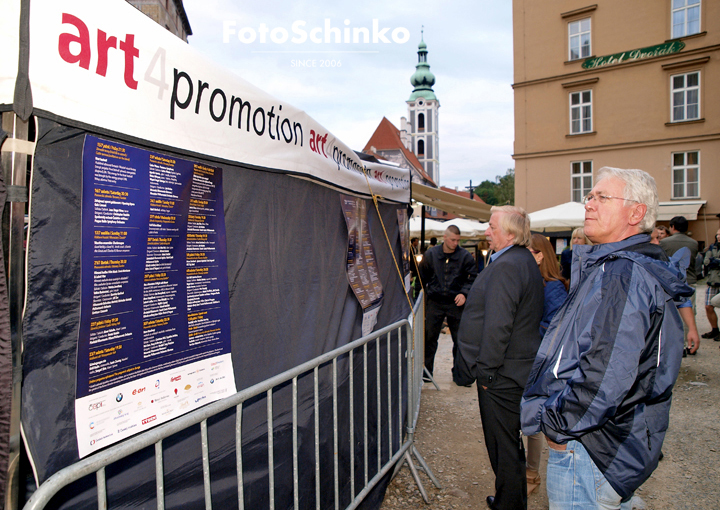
289	302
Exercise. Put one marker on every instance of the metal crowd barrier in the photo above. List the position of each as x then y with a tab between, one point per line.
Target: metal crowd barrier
407	395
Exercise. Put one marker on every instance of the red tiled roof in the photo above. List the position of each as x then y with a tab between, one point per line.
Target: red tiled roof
387	137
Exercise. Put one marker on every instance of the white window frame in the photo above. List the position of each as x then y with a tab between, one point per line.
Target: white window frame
579	38
681	8
683	112
684	167
579	179
582	107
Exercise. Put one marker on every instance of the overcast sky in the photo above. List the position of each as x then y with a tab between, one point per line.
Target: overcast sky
353	85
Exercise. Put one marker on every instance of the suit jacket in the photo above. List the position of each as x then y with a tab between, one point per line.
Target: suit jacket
500	329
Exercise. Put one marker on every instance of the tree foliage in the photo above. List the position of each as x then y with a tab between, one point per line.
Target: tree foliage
499	192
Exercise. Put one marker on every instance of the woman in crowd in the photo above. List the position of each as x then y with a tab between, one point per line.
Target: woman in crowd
578	237
555	293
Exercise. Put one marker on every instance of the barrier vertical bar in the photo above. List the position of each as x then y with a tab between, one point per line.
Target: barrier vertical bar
389	397
378	348
238	455
296	493
159	476
101	489
400	387
365	410
271	449
317	440
335	437
351	370
205	464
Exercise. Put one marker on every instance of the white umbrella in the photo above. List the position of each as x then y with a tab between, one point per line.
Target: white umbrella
561	217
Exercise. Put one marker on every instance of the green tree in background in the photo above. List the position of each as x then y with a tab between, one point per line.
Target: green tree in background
486	191
500	192
505	192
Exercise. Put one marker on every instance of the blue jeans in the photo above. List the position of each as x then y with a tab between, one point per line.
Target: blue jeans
575	483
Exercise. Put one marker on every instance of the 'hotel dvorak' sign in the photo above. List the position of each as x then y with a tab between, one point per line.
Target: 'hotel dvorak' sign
640	54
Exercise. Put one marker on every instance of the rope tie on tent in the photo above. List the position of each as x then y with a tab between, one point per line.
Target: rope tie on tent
417	268
387	238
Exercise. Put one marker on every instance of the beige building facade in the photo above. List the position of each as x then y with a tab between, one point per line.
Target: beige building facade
624	84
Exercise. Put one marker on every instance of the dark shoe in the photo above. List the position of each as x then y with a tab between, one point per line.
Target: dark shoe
490	500
714	334
460	383
685	351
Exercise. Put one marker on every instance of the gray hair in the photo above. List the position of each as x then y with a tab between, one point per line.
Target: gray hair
515	221
639	187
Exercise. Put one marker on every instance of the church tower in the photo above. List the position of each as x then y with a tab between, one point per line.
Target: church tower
422	126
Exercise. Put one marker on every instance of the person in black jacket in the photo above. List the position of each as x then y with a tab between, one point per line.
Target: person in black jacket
447	272
499	337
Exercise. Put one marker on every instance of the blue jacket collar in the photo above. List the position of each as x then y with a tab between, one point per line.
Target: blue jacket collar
668	274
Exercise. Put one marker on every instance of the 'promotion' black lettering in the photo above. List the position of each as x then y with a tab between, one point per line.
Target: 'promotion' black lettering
270	123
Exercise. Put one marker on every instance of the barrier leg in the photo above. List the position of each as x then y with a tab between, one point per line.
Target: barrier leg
427	374
425	467
416	476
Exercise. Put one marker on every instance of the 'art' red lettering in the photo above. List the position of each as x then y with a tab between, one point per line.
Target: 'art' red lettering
104	44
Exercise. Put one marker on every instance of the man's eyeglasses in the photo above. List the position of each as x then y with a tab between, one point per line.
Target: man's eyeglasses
603	198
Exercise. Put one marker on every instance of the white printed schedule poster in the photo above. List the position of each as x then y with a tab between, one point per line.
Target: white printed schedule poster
154	339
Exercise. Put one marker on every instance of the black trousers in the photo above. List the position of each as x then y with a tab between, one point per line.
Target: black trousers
435	313
500	414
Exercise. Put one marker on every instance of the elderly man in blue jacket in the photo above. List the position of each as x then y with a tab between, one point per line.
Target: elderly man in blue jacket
601	385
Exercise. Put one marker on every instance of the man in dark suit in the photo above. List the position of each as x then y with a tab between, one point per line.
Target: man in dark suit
498	339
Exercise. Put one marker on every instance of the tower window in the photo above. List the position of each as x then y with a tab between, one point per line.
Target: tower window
421	122
421	148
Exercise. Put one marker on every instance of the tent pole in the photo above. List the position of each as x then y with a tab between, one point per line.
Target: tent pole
422	229
14	168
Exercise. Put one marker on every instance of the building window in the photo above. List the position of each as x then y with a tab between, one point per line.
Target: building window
581	175
421	122
685	18
685	96
579	39
581	112
421	148
686	174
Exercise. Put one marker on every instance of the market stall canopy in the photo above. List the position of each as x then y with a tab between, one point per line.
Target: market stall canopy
687	208
560	217
469	229
450	203
433	228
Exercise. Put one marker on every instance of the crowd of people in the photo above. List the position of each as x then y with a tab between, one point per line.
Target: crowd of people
580	353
